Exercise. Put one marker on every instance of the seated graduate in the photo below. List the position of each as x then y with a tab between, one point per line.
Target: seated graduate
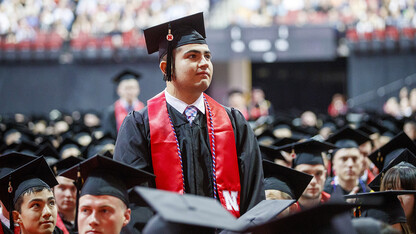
187	213
283	183
65	195
104	201
28	195
383	206
347	161
383	156
8	163
309	160
330	217
400	174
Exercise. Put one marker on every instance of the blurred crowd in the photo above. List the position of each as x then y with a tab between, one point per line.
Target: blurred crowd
403	106
365	14
27	20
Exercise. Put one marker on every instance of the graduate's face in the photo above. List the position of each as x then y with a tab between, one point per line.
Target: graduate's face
347	164
129	89
65	194
192	68
315	187
38	213
102	214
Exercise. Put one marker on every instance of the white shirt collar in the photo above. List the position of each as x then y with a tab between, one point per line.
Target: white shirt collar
125	104
4	220
181	106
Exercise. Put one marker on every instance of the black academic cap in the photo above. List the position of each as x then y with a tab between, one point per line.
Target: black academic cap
389	209
27	147
347	137
403	155
36	173
170	35
368	129
68	142
126	74
324	218
64	164
308	151
266	137
270	153
104	176
285	141
387	152
263	212
47	150
11	161
285	179
185	211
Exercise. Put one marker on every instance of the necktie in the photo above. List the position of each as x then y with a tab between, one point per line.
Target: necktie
190	113
130	108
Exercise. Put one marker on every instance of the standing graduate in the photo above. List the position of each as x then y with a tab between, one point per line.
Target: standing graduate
308	158
189	141
128	90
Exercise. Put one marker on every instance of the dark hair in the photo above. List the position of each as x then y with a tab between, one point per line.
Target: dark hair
401	176
19	201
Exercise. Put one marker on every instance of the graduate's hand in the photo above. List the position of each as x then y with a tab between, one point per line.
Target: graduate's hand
353	191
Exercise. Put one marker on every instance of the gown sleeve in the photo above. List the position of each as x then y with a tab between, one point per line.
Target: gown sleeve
133	141
250	162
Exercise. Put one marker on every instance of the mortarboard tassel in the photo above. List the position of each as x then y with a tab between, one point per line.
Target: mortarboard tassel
78	184
10	191
169	38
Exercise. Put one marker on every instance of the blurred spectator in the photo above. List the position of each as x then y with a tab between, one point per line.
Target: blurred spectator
338	105
259	106
392	107
24	20
237	100
409	128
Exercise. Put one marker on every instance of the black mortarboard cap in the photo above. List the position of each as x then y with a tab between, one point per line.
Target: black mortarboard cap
285	179
308	151
387	152
367	129
389	209
263	212
347	137
266	137
27	147
36	173
47	150
329	217
64	164
270	153
170	35
126	74
104	176
11	161
180	212
403	155
285	141
68	142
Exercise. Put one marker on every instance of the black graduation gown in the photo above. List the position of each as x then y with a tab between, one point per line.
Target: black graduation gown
330	186
5	229
109	121
133	147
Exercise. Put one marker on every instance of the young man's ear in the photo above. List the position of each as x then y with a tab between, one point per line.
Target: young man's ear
162	66
127	216
293	208
16	217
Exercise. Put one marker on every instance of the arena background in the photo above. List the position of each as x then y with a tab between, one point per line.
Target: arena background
299	52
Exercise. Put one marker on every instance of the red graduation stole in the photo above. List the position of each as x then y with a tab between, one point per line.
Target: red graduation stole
120	112
165	158
60	224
